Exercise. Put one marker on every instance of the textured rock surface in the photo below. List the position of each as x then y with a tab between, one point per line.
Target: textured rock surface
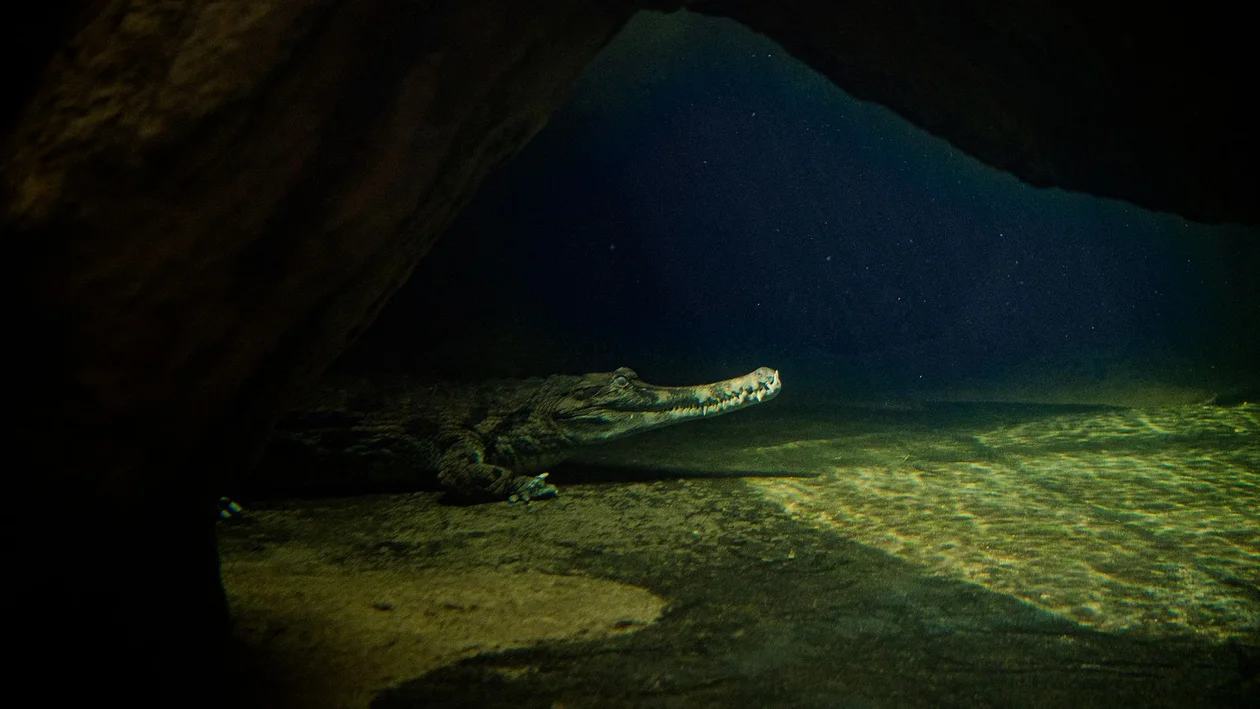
204	201
212	198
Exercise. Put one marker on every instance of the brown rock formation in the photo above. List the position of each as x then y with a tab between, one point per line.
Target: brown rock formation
205	201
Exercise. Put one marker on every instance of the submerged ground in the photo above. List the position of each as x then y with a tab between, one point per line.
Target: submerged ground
941	555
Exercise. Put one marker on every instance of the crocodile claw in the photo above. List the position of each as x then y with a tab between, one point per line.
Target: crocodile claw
525	489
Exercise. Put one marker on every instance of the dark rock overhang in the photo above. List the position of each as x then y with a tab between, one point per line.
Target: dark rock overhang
1143	102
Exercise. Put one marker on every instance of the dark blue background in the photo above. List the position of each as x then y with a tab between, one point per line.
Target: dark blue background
706	204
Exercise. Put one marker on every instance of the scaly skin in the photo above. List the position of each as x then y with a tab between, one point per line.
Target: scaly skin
491	440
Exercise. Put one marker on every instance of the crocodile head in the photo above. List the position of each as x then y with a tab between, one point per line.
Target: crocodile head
605	405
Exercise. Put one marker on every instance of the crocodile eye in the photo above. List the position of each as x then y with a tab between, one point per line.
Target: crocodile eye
620	381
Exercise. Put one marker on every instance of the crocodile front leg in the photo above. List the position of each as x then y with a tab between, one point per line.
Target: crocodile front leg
463	470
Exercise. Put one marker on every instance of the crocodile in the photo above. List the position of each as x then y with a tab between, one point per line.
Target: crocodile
488	441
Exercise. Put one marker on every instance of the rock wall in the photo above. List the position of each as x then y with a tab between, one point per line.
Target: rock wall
204	201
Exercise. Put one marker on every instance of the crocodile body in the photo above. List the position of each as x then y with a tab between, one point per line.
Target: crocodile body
490	440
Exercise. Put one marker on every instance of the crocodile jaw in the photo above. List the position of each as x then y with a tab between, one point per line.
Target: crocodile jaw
645	407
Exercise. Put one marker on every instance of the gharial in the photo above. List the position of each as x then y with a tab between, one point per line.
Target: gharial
491	440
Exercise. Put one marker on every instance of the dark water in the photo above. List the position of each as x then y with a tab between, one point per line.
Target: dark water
705	205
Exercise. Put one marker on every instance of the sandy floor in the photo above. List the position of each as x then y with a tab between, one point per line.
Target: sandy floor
1106	555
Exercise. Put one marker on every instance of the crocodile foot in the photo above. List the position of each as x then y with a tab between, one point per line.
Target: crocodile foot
523	488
